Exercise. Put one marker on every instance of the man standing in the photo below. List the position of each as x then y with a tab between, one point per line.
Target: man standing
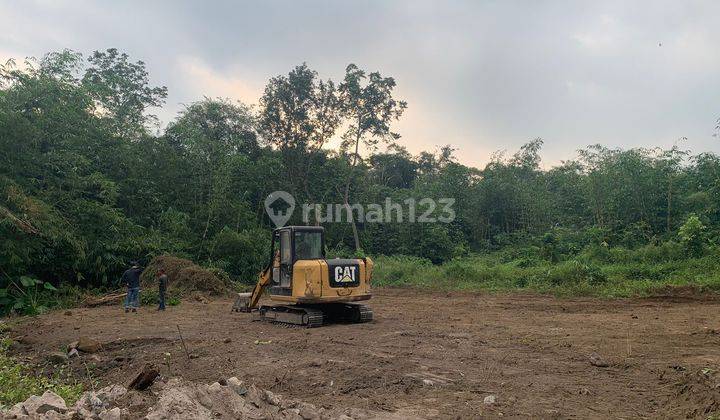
162	288
131	280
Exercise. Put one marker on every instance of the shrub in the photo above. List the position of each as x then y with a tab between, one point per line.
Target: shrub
549	250
575	272
511	254
27	296
598	252
462	270
692	236
401	270
666	251
525	262
434	244
152	297
621	272
242	254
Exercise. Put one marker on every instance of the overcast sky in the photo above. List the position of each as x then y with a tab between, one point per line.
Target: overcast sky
482	76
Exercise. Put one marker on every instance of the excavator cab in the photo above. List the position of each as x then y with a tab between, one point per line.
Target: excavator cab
294	244
312	289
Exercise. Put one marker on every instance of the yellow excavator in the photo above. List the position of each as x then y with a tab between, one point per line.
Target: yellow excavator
311	290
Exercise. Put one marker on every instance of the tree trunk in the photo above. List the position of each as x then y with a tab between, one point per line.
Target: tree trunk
669	205
346	196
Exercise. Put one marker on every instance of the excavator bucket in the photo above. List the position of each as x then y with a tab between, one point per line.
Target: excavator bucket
242	302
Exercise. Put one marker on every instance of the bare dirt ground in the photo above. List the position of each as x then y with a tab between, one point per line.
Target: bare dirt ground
427	354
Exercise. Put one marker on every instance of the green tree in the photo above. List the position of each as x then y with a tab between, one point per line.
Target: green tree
299	113
121	92
369	107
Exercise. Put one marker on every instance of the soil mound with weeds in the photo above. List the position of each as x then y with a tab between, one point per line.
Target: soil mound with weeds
185	277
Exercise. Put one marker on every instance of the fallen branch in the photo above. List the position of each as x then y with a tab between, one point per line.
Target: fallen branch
144	378
103	300
23	225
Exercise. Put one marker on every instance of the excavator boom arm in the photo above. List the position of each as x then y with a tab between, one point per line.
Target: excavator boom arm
263	281
246	302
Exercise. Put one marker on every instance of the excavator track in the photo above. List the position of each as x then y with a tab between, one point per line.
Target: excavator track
365	313
347	312
312	316
292	315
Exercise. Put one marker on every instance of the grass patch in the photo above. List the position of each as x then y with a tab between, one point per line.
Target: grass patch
152	297
609	273
17	382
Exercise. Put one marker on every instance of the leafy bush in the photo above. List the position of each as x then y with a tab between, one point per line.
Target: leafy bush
401	270
460	270
549	248
27	296
514	253
575	272
598	252
152	298
625	273
645	271
664	252
241	254
526	262
433	243
693	236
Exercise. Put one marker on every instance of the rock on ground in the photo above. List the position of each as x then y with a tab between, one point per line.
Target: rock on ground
47	406
93	403
88	345
181	399
49	401
598	361
56	358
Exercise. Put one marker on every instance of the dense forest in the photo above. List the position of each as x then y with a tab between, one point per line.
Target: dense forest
89	182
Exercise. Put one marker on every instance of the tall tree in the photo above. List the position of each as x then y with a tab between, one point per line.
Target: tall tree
122	92
299	113
369	107
212	136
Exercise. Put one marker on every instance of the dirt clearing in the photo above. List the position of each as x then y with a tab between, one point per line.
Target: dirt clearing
427	354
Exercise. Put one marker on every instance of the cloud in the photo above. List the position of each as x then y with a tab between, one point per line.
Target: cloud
203	80
482	76
605	34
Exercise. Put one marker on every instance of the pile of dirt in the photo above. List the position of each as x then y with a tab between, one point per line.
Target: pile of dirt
697	395
181	399
186	277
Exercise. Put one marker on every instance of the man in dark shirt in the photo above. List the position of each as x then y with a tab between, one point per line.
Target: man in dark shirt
162	288
131	280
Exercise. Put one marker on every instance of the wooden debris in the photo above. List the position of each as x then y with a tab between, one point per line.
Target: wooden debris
144	378
104	300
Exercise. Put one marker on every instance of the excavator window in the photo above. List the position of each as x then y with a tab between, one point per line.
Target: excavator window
308	245
285	249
